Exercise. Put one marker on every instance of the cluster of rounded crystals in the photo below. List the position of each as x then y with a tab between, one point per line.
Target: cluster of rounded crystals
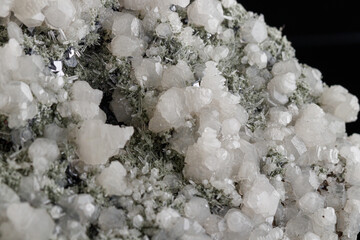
72	18
295	178
210	131
24	83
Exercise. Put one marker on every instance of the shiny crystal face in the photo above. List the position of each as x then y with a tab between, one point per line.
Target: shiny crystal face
168	119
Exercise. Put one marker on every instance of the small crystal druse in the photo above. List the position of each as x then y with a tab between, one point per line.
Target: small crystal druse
168	119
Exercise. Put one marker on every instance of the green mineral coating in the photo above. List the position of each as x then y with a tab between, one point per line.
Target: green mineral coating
279	160
302	94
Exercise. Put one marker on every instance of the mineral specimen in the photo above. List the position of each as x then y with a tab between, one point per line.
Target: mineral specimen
168	119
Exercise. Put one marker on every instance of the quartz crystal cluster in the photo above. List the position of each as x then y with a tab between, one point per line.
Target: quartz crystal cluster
168	119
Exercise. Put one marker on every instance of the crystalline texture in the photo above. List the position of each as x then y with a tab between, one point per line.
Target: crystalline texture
177	76
148	72
312	127
111	218
352	156
97	142
289	66
310	202
123	46
207	158
167	217
282	86
339	102
170	111
206	13
29	12
42	152
28	223
84	104
254	30
262	198
59	13
197	209
113	180
238	222
128	25
14	31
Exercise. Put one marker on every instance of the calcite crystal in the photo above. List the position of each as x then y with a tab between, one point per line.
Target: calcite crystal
113	179
27	223
42	152
208	14
97	141
168	119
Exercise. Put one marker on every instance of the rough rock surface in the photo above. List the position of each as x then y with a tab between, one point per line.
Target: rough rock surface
168	119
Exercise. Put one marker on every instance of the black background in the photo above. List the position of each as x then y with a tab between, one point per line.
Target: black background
325	35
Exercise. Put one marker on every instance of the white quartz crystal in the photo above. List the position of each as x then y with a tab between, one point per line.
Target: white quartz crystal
128	31
5	7
148	72
312	127
289	66
256	56
59	14
238	222
97	141
113	180
206	13
30	12
14	31
254	30
128	25
262	199
163	30
111	218
43	152
16	98
81	91
352	157
167	217
228	3
17	102
207	158
84	102
170	111
313	79
26	222
279	116
282	86
82	206
264	231
179	75
339	102
197	209
7	197
324	221
124	46
310	202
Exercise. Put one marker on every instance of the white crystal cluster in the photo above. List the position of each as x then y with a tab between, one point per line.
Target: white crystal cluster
24	83
236	138
72	18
